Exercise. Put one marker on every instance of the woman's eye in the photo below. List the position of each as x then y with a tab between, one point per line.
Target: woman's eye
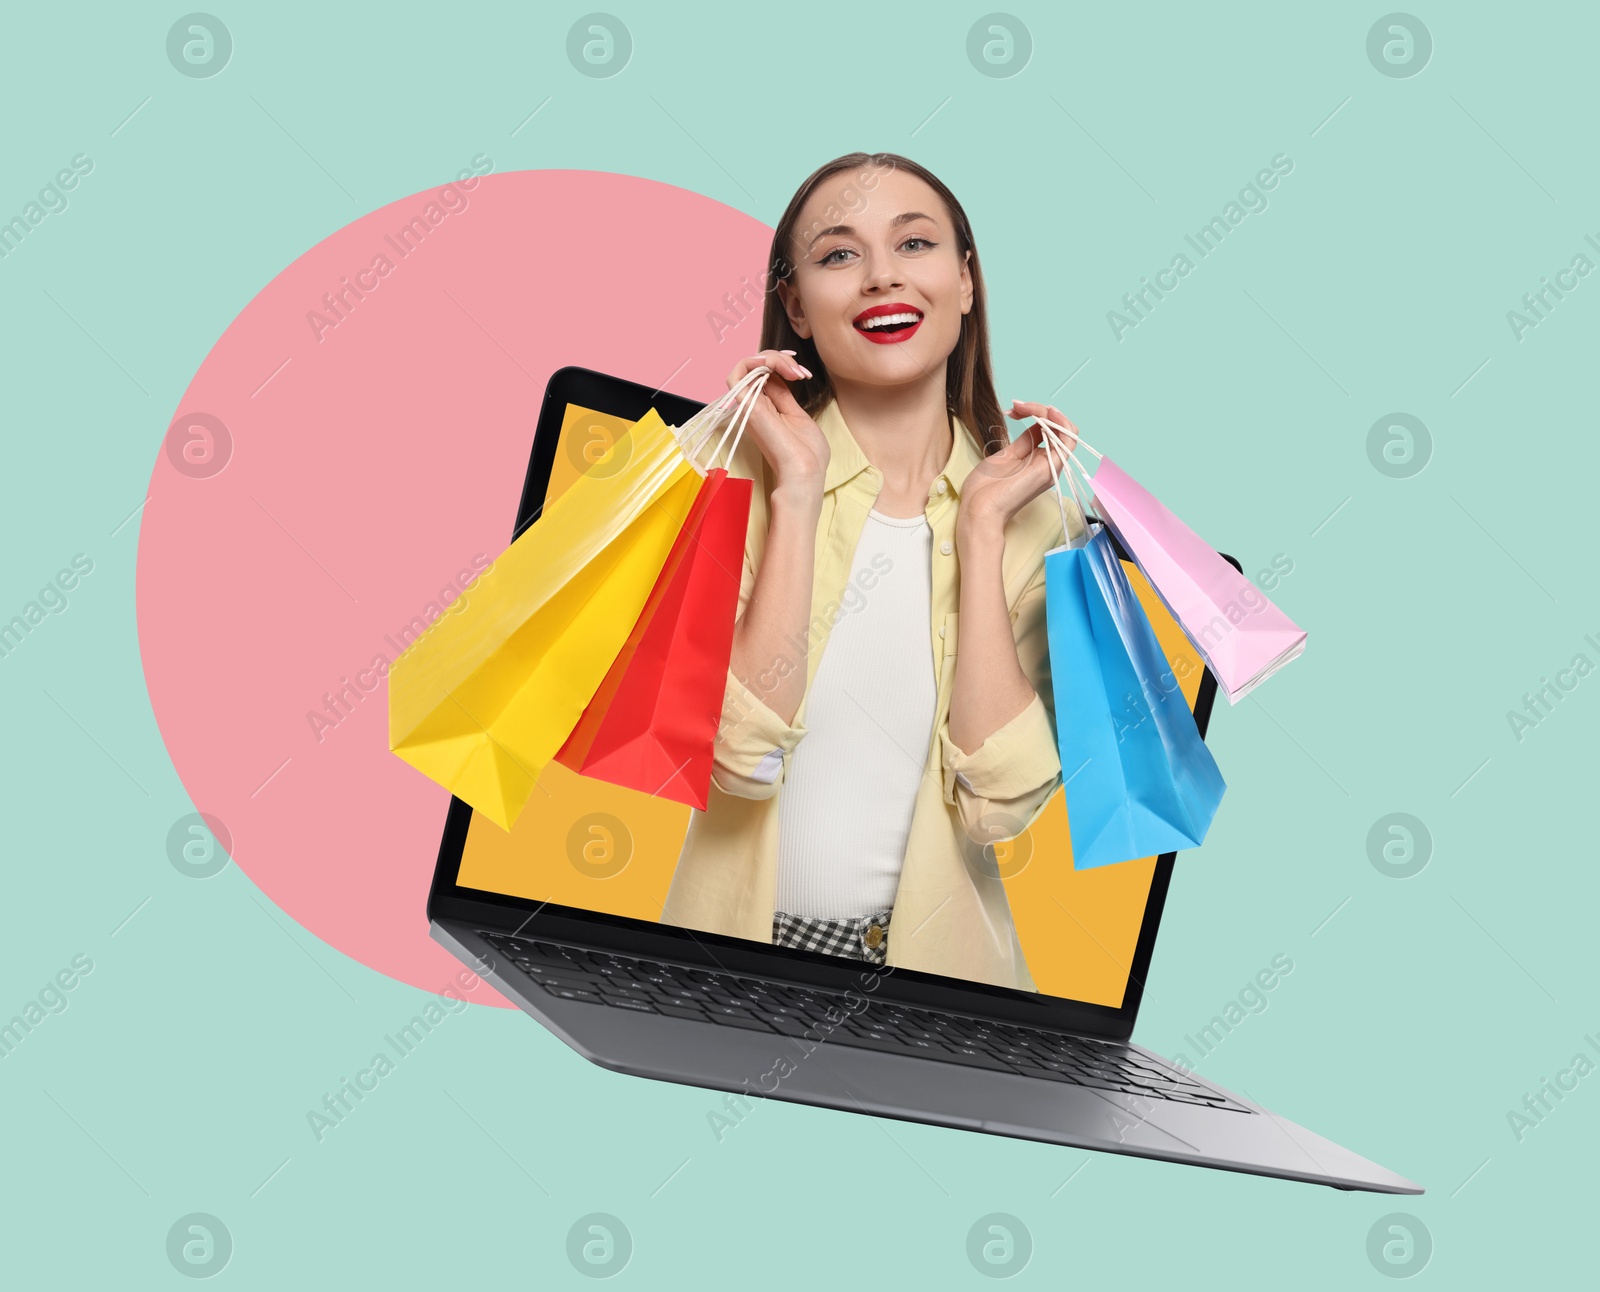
829	258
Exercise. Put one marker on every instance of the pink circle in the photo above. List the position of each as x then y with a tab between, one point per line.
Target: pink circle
378	423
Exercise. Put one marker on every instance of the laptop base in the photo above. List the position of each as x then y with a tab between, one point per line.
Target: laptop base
751	1066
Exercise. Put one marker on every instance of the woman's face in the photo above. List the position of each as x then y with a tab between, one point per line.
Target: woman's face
859	250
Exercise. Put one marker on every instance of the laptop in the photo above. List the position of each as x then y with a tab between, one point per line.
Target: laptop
562	915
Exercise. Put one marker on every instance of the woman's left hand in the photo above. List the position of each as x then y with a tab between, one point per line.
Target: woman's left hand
1005	482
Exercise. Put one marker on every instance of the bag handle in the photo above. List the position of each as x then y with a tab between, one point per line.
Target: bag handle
1052	446
694	433
1077	439
1054	434
1083	509
1070	457
751	394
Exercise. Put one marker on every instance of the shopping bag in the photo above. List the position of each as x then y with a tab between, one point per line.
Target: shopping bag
1138	779
652	723
1242	636
484	698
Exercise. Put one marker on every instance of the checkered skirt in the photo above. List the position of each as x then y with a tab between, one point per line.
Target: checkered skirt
845	937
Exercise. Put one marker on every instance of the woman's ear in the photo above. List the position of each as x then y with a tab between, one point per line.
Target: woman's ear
966	281
790	299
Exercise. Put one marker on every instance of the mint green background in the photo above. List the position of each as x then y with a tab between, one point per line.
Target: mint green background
1414	1020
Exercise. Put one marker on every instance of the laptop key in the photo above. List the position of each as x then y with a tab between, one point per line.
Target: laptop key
970	1058
1102	1074
1145	1082
568	980
573	993
787	1024
1149	1068
1165	1090
1053	1074
680	1011
869	1041
1095	1083
733	1011
788	1011
1140	1061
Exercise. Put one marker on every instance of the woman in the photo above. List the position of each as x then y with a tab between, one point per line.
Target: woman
863	762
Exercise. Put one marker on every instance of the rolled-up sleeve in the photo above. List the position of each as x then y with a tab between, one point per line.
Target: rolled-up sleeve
1000	788
753	744
750	753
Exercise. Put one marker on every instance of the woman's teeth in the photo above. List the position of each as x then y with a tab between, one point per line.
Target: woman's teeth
888	320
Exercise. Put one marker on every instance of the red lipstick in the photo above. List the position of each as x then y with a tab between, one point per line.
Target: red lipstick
902	330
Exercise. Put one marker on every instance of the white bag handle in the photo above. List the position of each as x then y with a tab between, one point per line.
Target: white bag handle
1071	458
694	433
1052	446
1083	510
751	394
1063	431
1054	435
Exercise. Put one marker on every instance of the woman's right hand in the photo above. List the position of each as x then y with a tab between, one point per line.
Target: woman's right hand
793	445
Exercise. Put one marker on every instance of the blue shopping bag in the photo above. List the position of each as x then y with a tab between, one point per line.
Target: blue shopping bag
1139	780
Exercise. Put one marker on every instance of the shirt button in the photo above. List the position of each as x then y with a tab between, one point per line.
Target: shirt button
945	547
943	485
874	937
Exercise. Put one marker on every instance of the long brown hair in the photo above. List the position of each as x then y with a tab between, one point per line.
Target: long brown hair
969	380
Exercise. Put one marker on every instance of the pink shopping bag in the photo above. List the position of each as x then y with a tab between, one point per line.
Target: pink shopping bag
1243	638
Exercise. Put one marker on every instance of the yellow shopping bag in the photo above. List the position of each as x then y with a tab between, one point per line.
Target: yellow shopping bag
481	702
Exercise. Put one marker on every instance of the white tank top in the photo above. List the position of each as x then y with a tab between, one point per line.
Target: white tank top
845	807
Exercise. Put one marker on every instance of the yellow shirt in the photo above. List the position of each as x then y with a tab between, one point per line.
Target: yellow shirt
950	913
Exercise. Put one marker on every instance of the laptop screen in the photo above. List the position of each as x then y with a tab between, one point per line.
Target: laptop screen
585	843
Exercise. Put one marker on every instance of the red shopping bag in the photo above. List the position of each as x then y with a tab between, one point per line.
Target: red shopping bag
651	725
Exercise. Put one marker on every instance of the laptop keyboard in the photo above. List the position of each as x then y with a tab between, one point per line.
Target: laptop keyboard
728	1000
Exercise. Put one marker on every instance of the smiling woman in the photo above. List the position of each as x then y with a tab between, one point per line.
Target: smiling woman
860	785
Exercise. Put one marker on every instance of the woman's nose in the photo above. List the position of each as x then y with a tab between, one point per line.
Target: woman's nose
881	277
